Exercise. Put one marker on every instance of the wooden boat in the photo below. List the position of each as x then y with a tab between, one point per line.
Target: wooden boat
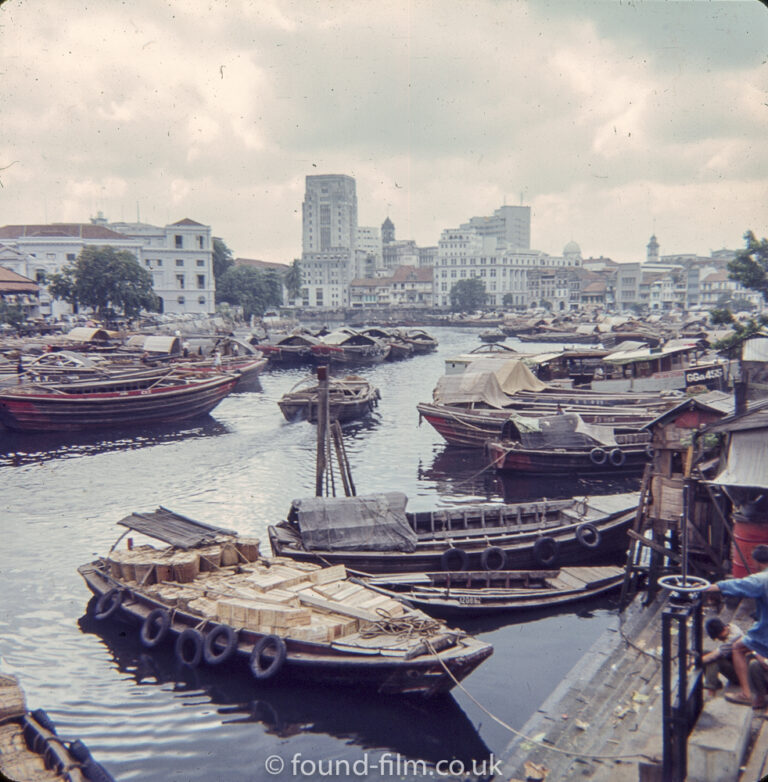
290	350
478	592
138	399
492	335
31	749
349	398
219	601
380	537
566	445
561	337
398	347
421	341
349	347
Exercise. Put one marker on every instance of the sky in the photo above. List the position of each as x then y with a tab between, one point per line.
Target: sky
613	120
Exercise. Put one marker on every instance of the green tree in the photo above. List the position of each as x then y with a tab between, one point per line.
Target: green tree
10	313
106	279
508	300
750	266
468	295
253	290
293	279
222	258
721	316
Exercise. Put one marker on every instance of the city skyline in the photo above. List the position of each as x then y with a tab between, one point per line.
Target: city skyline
613	121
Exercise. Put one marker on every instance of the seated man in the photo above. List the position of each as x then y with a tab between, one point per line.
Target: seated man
720	661
758	681
756	639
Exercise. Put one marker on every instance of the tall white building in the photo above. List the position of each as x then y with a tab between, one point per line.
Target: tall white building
329	239
367	251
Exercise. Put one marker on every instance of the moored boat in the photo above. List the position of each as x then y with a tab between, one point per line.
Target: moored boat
479	592
566	445
374	534
219	601
349	398
349	347
138	399
492	335
420	340
289	350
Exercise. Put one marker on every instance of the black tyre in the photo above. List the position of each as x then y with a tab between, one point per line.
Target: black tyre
219	645
454	559
189	647
44	720
545	552
275	645
617	457
598	456
493	558
108	603
155	628
588	535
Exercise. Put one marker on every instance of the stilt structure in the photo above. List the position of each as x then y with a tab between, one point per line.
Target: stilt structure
330	441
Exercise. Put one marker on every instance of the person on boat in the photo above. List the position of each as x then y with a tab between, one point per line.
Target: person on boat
185	349
756	638
217	359
19	368
720	661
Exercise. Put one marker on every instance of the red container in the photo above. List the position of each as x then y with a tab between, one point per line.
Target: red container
747	535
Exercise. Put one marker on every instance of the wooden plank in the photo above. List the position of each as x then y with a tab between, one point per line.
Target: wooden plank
756	766
338	608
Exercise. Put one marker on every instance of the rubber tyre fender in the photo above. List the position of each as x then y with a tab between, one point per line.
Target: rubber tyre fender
649	451
95	772
108	603
449	554
186	637
212	654
617	457
545	551
598	456
487	558
274	641
44	720
79	751
155	628
588	535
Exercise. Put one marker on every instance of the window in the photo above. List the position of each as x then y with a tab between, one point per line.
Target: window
147	262
180	299
51	256
179	262
201	299
180	281
200	263
70	256
179	240
200	242
200	281
40	276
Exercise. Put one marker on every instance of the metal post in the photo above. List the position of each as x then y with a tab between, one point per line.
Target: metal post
322	426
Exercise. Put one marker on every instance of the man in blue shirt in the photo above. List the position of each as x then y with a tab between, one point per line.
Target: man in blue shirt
756	639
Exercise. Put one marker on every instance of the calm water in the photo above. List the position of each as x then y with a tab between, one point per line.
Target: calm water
148	720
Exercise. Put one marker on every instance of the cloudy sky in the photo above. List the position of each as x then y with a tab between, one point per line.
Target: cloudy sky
611	119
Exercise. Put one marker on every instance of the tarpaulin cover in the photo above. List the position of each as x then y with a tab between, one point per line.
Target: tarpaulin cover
372	522
747	460
566	431
513	375
470	388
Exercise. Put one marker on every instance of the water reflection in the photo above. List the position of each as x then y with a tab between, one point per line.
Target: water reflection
429	730
17	449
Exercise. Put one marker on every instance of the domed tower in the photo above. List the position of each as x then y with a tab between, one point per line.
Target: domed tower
652	254
387	232
572	253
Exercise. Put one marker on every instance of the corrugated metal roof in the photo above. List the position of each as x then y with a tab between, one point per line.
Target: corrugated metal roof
747	461
755	349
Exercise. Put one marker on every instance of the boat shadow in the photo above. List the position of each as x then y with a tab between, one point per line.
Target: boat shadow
18	449
428	730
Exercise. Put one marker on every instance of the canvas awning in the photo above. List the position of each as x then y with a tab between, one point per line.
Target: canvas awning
372	522
87	334
470	388
513	375
747	460
568	430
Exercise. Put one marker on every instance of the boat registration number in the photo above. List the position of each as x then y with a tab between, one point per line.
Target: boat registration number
469	600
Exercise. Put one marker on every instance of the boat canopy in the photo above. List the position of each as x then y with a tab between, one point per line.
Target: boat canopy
567	430
513	375
747	461
88	334
470	388
372	522
168	346
649	354
347	337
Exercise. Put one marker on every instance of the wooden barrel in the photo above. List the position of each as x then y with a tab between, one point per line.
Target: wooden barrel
229	555
163	570
210	558
12	703
747	535
249	548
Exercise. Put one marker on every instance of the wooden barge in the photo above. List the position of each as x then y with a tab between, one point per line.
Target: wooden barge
374	534
139	399
479	592
349	398
222	603
349	347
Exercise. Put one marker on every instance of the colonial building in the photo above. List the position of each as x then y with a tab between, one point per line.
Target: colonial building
409	286
19	291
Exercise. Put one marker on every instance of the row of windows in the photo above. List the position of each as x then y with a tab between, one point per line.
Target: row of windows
179	262
178	242
182	299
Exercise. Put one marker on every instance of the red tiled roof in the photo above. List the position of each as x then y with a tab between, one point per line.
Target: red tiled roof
370	282
720	276
11	282
68	230
187	221
412	274
598	286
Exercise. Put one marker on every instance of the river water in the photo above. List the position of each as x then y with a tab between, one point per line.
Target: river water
146	719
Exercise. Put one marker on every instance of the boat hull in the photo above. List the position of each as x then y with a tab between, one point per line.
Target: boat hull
561	462
319	663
